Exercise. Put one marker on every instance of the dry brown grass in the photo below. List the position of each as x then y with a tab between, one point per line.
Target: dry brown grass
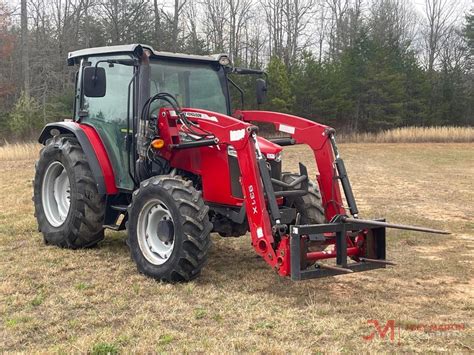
415	135
56	300
19	151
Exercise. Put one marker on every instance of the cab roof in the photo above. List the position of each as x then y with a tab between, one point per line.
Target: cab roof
74	57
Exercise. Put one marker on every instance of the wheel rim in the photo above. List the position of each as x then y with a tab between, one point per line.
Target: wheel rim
56	194
155	231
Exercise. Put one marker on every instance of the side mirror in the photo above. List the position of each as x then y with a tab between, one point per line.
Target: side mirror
261	91
94	82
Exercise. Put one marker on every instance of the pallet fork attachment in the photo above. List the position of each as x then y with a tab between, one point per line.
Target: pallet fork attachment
368	253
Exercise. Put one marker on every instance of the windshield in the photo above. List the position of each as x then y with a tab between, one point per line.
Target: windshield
198	85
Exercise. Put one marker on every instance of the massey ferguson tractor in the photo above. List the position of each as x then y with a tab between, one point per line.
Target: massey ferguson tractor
153	147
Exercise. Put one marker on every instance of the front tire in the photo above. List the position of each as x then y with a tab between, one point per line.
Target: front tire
68	207
168	229
309	206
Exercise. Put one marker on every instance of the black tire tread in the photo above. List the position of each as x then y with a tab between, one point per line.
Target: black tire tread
85	224
309	206
193	251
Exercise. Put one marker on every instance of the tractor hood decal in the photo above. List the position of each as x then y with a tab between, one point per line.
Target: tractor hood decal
202	116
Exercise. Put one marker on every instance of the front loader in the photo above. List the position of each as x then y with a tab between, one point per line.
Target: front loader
154	148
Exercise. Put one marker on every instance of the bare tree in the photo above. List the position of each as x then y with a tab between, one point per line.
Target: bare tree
174	22
157	21
25	48
287	22
298	14
454	51
274	18
194	43
321	29
215	13
338	10
239	14
439	18
254	46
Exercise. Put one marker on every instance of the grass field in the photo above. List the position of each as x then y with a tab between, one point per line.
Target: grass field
95	301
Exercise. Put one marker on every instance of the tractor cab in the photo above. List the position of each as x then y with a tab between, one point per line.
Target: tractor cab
112	83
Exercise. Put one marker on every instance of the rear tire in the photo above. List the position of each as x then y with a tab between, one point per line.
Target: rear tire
168	229
68	207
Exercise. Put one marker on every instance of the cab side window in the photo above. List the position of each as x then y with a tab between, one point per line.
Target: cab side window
113	106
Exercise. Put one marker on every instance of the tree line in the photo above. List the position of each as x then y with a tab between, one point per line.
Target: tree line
358	65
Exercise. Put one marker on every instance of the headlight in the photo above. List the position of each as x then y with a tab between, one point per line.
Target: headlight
231	151
270	156
224	60
276	157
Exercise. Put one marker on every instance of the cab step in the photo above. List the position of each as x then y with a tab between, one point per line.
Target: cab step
121	208
119	218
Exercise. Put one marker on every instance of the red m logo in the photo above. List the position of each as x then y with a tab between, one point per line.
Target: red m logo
390	326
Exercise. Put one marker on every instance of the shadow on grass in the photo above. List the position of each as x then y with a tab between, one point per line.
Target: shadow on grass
233	265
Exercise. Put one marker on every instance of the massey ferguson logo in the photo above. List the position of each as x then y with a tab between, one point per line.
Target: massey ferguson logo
253	202
193	114
202	116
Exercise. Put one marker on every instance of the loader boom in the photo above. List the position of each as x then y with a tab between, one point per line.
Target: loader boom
317	137
239	133
362	241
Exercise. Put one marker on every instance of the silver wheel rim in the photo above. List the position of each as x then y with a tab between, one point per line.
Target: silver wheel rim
155	232
56	194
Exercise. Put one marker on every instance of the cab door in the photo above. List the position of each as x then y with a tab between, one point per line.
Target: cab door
109	114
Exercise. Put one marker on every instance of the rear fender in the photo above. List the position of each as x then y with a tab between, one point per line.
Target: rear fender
93	148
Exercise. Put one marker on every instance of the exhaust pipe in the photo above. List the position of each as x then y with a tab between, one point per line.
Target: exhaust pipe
143	95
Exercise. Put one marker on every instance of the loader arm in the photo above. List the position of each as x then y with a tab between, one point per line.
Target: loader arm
363	241
270	239
317	137
242	136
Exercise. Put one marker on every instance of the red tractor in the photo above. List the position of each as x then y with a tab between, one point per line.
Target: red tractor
154	148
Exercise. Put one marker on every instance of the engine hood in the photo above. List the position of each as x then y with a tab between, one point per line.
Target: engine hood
269	150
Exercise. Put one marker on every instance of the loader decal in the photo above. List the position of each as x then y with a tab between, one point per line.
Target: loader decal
253	202
237	135
286	129
202	116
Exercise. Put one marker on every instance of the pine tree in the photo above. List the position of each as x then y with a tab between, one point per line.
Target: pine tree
280	96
